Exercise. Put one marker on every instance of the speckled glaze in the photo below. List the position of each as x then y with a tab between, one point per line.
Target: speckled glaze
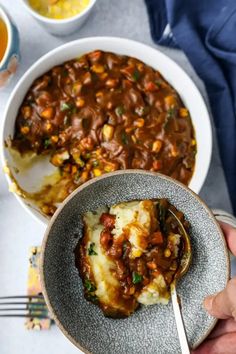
10	61
151	329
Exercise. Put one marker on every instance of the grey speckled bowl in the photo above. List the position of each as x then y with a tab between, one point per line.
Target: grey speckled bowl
151	329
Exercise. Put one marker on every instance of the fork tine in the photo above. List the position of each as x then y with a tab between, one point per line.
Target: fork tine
24	303
22	297
27	315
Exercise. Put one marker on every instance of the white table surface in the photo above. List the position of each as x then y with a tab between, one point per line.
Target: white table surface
18	230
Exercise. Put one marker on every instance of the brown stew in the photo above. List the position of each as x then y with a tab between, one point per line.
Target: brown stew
104	112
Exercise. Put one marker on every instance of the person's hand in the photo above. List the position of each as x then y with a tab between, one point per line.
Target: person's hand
222	339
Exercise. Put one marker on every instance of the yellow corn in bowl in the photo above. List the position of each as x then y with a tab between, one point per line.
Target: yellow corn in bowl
59	9
59	17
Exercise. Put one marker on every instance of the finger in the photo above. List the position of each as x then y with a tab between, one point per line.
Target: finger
230	236
223	327
225	344
223	304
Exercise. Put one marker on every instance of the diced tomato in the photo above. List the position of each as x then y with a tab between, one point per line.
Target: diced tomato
106	239
150	86
157	238
108	220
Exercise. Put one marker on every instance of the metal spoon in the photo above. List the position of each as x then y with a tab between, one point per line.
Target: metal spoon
183	268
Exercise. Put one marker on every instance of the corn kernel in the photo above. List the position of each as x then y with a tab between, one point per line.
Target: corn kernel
183	112
80	102
107	131
140	67
99	94
170	101
97	172
136	253
26	111
47	113
129	130
193	142
84	176
103	76
174	152
139	122
156	146
74	169
24	130
48	126
167	252
98	68
54	138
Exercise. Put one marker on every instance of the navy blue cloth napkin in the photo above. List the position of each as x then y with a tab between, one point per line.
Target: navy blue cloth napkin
206	31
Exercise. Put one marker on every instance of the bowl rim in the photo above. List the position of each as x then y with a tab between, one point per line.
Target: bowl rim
52	21
87	184
5	17
120	42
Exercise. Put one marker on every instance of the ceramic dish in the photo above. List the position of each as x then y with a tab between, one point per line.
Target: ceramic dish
60	27
151	329
9	62
169	69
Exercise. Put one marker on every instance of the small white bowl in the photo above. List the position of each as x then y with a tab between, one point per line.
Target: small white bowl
60	27
10	60
159	61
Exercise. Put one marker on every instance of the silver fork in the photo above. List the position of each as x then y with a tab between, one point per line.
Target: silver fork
31	306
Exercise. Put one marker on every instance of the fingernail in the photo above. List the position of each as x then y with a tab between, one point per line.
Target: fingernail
208	302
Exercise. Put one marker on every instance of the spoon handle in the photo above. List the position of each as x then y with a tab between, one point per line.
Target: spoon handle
179	322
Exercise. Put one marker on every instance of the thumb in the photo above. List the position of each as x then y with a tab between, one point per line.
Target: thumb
223	304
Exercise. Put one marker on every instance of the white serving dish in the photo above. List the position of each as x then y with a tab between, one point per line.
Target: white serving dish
167	67
60	27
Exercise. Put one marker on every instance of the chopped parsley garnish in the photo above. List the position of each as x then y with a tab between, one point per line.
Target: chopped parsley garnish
67	107
158	83
95	163
136	278
64	73
136	75
92	298
119	110
91	251
124	138
89	286
171	112
46	143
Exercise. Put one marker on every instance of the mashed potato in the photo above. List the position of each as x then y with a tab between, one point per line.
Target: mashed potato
126	259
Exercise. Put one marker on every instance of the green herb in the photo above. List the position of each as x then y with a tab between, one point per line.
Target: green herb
170	114
67	107
136	75
91	251
89	286
64	73
87	156
46	143
92	298
158	83
142	111
124	138
136	278
119	110
95	163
